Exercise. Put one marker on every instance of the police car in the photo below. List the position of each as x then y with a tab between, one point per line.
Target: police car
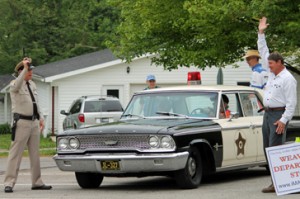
184	132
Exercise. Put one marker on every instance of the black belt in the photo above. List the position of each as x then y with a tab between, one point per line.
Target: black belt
26	117
271	109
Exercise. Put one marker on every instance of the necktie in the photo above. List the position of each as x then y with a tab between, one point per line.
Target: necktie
35	113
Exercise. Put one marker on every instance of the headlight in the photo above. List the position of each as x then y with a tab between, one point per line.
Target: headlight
74	143
161	143
154	141
167	142
63	143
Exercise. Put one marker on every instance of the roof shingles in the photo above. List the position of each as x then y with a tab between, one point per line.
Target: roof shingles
74	63
5	80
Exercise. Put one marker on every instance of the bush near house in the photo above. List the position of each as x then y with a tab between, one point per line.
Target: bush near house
5	129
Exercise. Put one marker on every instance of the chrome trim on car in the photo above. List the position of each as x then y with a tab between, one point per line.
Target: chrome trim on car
129	162
202	130
114	142
241	127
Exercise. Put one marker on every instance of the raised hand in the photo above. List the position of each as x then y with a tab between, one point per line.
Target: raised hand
262	25
26	62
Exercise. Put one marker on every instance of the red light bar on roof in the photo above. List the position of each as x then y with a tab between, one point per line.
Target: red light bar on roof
194	78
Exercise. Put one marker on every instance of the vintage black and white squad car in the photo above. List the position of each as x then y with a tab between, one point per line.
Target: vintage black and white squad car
184	132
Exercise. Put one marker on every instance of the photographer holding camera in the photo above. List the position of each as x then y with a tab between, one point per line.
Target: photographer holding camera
27	124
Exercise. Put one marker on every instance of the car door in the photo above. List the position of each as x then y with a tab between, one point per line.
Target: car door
72	118
239	141
251	105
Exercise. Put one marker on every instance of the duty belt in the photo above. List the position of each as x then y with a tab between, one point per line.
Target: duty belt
271	109
25	117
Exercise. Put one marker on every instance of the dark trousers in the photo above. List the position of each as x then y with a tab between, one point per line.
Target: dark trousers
270	137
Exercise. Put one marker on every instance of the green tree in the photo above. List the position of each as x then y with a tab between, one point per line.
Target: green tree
284	30
50	30
203	33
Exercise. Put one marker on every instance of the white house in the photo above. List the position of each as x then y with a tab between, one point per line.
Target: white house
5	107
101	73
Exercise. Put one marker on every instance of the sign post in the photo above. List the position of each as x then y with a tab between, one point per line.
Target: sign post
284	163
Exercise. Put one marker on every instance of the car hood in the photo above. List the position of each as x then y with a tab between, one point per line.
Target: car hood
140	126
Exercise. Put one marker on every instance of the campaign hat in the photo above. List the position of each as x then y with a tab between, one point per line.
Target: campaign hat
20	65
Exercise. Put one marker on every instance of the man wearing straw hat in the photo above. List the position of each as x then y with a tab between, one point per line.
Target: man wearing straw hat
28	122
259	74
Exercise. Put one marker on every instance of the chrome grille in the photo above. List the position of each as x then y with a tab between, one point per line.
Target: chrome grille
94	142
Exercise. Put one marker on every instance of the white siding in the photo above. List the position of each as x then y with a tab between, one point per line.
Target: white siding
297	77
44	99
5	115
91	83
2	115
94	82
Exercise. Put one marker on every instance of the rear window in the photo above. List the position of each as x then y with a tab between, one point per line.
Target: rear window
102	106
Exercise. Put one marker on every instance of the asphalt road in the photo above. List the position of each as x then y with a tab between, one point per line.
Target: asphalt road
241	184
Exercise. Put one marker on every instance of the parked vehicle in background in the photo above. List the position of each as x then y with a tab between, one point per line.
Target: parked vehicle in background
91	110
183	132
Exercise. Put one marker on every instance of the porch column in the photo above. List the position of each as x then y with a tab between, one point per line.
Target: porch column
5	108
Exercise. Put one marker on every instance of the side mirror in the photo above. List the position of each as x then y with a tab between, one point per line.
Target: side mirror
63	112
233	115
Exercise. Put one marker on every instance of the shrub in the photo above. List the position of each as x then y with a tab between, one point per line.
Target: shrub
5	128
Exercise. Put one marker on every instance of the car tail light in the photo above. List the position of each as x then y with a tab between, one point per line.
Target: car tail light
194	78
81	118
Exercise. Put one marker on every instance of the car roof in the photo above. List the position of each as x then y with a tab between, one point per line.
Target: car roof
201	88
97	97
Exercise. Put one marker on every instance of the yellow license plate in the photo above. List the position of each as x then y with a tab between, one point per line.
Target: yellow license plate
110	165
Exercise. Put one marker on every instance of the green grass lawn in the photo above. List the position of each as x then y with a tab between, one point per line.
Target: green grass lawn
47	146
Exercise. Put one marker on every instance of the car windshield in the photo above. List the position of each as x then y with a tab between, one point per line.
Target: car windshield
175	104
102	106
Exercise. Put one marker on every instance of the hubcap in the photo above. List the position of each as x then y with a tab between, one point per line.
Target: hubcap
192	166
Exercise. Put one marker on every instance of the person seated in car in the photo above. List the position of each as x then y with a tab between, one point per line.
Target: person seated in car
224	112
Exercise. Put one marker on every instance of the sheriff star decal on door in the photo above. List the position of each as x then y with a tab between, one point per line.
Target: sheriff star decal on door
240	143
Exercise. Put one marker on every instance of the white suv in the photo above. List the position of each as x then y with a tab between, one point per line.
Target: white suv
91	110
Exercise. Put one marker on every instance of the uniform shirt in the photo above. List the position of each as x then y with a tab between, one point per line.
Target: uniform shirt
281	89
20	96
259	77
147	88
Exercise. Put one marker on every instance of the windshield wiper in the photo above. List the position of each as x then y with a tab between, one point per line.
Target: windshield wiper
171	114
133	115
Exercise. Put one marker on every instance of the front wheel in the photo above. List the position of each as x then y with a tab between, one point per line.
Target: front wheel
88	180
190	177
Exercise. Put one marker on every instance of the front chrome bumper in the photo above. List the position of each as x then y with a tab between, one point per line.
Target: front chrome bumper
129	163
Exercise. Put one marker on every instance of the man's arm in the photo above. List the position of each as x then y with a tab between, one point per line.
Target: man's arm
261	42
290	93
16	85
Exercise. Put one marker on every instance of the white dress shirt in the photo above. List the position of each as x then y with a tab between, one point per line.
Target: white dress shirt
281	89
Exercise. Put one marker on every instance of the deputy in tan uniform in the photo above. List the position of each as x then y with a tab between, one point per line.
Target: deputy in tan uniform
27	125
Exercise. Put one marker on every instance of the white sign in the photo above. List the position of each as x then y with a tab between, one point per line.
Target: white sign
284	163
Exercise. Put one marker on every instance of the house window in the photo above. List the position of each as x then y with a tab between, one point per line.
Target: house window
113	92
